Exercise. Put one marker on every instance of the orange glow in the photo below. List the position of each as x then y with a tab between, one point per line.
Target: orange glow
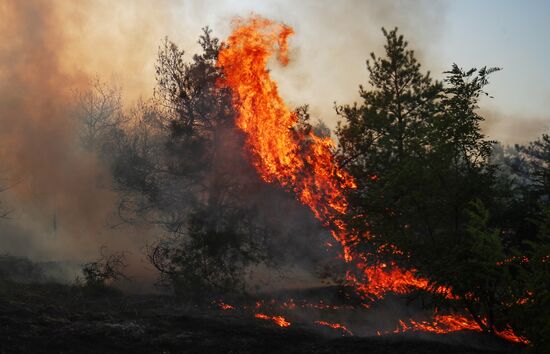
279	320
304	163
454	323
224	306
339	326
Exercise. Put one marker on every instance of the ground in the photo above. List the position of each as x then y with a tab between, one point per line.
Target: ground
43	318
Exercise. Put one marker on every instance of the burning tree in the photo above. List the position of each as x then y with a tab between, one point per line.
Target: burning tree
415	147
182	167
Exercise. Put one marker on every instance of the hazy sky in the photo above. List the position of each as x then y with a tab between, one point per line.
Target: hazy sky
333	40
511	34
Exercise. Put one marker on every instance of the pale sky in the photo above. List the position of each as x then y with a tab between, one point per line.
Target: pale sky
511	34
334	38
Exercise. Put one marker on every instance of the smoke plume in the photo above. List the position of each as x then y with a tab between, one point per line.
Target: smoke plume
61	195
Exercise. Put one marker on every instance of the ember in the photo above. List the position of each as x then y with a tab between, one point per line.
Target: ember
224	306
335	326
279	320
454	323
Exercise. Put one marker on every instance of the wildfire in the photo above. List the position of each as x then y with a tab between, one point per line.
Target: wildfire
279	320
304	163
222	305
454	323
343	328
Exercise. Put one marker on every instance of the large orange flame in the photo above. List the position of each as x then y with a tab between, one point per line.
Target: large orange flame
303	163
300	162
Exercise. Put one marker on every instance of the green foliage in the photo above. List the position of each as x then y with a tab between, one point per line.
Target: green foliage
429	184
383	140
536	166
415	148
424	175
474	266
531	313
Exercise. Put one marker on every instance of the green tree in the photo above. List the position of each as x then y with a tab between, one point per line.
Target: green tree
531	312
536	166
474	265
526	221
383	140
415	147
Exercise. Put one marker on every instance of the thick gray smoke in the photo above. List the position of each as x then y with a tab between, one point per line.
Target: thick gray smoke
61	195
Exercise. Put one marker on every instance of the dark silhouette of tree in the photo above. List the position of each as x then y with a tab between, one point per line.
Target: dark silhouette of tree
99	112
182	166
424	174
531	312
384	139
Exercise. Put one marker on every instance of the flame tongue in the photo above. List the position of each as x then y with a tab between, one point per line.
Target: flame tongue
262	113
303	163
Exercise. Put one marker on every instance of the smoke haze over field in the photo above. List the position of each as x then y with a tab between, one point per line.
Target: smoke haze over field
49	49
61	195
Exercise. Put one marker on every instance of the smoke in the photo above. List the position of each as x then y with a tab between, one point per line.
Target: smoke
513	129
334	39
61	198
61	195
36	131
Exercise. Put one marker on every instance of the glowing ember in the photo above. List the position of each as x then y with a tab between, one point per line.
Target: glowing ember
279	320
335	326
224	306
454	323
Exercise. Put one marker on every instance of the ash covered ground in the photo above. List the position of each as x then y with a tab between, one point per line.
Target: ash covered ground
56	318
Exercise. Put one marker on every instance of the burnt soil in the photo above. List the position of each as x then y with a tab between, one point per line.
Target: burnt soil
53	318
